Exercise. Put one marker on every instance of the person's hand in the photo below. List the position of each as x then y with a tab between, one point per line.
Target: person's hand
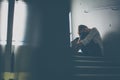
76	44
79	42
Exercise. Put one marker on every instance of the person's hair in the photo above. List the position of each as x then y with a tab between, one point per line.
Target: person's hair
82	27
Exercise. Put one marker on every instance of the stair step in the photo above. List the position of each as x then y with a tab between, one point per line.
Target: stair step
88	61
87	57
94	63
96	69
96	77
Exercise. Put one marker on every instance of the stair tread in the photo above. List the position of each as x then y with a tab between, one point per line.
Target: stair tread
97	75
106	67
87	56
87	61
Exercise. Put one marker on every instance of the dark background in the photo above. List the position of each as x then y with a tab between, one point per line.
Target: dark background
52	58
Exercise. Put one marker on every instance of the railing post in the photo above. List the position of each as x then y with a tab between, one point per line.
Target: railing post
8	54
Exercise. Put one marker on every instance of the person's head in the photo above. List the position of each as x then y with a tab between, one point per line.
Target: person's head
82	29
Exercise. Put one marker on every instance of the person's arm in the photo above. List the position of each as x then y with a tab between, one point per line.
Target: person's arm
89	37
74	42
75	45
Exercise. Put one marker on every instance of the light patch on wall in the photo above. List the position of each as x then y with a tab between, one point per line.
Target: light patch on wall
19	23
3	22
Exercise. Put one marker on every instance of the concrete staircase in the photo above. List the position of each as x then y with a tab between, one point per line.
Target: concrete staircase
95	68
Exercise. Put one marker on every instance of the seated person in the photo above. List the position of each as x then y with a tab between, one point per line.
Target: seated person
89	41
